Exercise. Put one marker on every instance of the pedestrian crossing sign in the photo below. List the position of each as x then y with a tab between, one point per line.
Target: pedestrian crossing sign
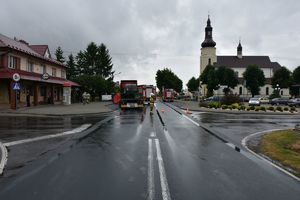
16	86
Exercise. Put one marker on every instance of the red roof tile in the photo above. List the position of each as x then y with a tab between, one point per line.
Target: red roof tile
40	49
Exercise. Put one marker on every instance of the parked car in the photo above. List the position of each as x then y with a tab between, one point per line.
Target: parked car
264	100
254	102
279	101
294	102
213	99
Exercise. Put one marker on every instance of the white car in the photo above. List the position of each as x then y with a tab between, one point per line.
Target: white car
254	102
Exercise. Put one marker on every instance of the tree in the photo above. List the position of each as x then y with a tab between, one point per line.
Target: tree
254	78
295	81
59	54
95	61
282	77
72	71
104	67
209	77
226	76
167	79
193	84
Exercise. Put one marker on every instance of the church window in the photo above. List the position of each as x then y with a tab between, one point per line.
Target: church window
281	92
241	91
209	61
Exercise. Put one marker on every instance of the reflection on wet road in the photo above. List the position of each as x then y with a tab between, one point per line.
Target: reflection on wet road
21	127
135	157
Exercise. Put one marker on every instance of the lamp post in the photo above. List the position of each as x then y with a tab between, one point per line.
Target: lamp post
277	89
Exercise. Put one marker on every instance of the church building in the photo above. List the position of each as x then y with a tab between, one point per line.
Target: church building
238	63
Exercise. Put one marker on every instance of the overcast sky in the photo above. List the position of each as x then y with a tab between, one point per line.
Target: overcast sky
146	35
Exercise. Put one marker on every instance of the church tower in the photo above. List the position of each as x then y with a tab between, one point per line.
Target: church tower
208	50
239	50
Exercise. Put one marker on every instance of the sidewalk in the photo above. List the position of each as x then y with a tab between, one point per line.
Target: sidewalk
61	110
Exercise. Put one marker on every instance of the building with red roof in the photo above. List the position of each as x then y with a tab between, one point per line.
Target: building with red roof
41	77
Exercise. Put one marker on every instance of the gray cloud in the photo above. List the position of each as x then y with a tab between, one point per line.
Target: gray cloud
145	35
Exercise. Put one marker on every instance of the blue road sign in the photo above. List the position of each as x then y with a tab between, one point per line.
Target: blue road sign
16	86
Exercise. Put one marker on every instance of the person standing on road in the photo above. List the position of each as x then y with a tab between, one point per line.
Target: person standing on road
151	103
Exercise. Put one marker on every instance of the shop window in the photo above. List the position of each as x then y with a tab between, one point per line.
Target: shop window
43	91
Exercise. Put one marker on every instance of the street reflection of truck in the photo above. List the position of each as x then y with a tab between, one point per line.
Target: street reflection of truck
130	96
168	95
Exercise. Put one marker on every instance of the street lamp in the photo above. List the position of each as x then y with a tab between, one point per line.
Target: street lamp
277	89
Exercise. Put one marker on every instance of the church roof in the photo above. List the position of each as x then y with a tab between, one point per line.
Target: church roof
245	61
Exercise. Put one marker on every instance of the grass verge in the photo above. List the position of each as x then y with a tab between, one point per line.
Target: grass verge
284	147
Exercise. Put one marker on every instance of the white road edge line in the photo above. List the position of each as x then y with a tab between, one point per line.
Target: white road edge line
162	173
197	124
76	130
4	155
244	143
151	188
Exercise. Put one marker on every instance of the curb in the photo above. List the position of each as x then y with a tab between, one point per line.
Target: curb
4	155
244	144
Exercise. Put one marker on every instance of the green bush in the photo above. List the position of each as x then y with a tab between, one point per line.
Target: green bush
252	108
214	105
286	109
293	109
230	99
203	104
271	108
279	108
235	105
257	108
262	108
224	107
229	107
248	109
242	108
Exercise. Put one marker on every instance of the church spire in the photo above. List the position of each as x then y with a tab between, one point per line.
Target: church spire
240	50
208	41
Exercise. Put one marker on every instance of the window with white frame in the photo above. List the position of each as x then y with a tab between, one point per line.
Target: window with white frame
63	73
43	69
29	66
54	72
12	62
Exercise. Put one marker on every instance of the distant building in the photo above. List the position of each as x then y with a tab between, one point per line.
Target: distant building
31	62
238	63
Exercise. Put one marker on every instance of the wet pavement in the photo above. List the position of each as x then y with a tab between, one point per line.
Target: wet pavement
134	156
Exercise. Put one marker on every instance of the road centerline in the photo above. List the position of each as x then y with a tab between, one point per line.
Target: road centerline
151	187
162	173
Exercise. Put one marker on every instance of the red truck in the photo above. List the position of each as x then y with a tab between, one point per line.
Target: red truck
145	91
130	96
168	95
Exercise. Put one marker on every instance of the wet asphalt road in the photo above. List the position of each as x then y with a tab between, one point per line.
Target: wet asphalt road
22	127
134	157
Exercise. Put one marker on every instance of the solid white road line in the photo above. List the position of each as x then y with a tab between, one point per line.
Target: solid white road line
244	143
151	188
153	134
197	124
76	130
3	160
162	173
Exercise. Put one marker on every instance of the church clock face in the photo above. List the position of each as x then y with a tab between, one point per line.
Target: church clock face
208	33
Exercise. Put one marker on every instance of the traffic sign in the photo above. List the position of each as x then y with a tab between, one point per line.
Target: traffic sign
16	86
16	77
45	76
